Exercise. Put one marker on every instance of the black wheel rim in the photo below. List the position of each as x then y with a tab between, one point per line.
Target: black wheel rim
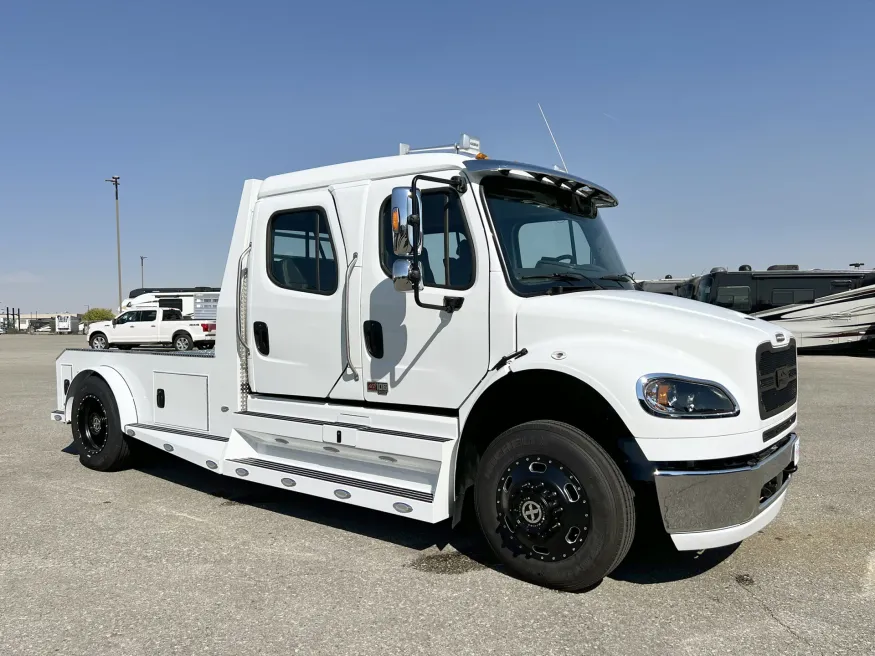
543	510
93	425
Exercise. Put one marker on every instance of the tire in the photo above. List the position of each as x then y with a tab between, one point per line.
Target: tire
97	429
182	342
99	342
518	505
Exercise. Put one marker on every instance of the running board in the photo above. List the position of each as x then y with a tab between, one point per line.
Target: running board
427	497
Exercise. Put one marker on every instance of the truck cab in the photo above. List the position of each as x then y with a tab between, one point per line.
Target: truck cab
412	332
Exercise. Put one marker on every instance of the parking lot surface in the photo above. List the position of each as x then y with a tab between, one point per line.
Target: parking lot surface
168	558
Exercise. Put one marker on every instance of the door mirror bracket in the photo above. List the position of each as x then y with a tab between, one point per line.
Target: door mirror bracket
407	240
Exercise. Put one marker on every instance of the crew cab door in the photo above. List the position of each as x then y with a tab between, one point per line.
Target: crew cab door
122	331
144	328
418	356
294	322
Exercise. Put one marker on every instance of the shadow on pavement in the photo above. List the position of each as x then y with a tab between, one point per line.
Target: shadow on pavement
652	558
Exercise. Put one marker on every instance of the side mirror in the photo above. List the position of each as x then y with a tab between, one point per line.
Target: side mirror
405	277
114	322
402	225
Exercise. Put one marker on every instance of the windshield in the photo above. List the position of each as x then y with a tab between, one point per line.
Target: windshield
551	238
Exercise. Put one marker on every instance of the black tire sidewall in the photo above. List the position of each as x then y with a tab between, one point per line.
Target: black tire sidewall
598	475
109	455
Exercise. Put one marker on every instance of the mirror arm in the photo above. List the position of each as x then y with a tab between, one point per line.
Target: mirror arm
451	303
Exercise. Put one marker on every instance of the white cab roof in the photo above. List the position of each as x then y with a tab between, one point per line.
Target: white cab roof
366	169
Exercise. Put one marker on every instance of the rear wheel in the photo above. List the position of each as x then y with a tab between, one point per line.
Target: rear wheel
98	342
183	342
97	429
554	506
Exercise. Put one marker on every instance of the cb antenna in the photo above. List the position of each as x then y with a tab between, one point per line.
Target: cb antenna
564	167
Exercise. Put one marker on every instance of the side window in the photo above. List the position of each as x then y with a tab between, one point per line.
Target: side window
301	253
172	315
734	298
127	317
447	257
148	315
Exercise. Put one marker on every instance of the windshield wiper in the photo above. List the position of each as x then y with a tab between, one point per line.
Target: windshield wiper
618	277
556	276
564	277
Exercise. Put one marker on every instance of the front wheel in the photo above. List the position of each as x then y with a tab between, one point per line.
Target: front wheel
183	342
554	506
99	342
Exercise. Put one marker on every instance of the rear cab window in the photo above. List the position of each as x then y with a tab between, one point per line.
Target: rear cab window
301	251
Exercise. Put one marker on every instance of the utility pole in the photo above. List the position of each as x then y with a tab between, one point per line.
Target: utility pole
118	238
142	258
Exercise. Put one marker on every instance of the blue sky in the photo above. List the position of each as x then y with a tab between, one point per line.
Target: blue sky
732	133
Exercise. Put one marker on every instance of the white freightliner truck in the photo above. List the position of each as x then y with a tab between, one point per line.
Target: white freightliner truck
416	330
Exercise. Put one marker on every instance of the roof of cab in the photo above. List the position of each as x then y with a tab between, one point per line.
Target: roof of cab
366	169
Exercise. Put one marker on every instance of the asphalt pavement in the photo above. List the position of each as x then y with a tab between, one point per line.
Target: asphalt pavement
168	558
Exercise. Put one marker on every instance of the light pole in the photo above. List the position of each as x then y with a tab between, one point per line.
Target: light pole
142	258
118	239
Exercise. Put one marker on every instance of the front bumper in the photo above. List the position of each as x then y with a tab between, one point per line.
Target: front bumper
704	506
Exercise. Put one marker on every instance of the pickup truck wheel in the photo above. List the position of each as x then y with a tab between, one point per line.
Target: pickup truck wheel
98	342
554	506
182	342
97	429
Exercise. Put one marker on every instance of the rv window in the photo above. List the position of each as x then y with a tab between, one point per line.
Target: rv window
300	252
447	256
703	293
840	286
734	298
781	297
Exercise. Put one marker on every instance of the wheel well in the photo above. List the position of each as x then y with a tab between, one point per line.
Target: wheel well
181	332
540	394
78	380
95	333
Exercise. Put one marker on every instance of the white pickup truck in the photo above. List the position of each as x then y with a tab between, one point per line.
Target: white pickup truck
418	330
152	327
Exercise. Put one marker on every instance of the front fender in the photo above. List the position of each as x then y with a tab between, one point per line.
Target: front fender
612	366
124	399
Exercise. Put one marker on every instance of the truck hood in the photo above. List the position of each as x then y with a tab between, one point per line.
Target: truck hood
99	325
654	317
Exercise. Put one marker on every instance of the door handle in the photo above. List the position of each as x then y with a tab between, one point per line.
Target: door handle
355	374
261	337
373	331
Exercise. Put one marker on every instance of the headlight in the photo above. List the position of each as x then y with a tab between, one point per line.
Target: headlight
665	395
